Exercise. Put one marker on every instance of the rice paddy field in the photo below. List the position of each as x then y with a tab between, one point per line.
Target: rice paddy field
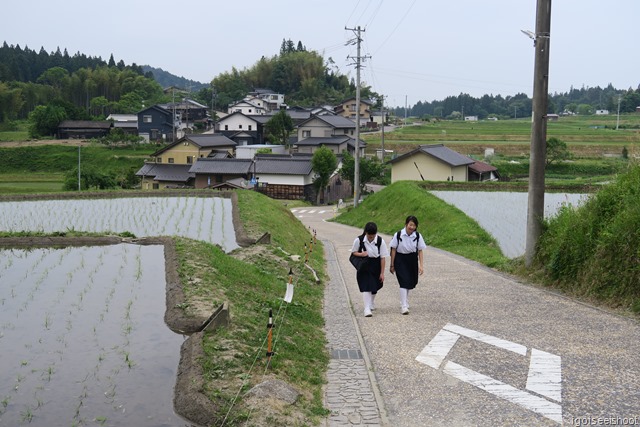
508	225
200	218
83	339
82	334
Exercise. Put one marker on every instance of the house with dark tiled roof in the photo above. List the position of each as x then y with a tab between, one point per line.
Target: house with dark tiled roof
243	129
213	171
431	163
326	125
338	144
193	146
190	114
156	176
347	108
334	132
84	129
279	176
481	171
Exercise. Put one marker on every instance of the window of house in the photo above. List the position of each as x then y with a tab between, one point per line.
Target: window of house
189	160
226	127
147	119
158	159
239	126
170	159
352	107
250	127
250	110
306	134
156	186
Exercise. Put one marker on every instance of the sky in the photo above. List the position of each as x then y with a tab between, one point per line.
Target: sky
414	50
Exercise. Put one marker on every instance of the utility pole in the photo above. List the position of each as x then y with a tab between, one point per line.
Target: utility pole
79	176
405	111
356	177
173	103
382	130
535	212
618	119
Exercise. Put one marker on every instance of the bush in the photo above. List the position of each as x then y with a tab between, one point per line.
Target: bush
594	250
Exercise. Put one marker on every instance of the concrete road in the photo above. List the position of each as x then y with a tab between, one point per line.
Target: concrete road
481	349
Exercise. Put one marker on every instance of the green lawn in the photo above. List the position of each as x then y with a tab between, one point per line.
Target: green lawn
13	183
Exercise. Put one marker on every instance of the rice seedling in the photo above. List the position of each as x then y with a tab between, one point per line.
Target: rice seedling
27	415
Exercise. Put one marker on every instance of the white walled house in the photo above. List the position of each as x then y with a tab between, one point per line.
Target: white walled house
255	106
325	126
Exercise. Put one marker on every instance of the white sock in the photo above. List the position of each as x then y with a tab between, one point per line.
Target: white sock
366	297
372	304
404	297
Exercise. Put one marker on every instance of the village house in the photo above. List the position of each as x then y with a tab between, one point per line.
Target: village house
430	163
84	129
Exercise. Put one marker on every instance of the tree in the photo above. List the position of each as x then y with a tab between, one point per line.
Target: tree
556	151
279	127
323	163
45	120
370	170
585	109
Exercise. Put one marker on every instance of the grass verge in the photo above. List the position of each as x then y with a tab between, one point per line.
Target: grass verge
253	282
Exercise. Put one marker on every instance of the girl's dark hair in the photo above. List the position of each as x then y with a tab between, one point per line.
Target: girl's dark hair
370	228
411	218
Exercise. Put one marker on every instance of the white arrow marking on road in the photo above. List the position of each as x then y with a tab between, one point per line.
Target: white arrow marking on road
544	378
487	339
545	374
435	352
551	410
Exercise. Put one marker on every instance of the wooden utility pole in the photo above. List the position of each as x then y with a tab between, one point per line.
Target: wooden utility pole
535	211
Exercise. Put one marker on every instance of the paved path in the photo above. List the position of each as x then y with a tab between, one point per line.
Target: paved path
477	349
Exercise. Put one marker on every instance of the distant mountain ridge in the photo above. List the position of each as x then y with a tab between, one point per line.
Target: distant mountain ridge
166	79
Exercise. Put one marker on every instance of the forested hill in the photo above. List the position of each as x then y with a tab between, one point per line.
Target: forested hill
27	65
166	79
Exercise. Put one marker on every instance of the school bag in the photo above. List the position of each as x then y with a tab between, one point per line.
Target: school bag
359	262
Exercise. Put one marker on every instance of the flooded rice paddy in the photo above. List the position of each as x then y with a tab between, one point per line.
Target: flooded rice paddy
83	339
82	334
504	214
201	218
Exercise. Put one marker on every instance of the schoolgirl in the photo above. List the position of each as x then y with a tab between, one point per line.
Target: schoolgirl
371	276
407	259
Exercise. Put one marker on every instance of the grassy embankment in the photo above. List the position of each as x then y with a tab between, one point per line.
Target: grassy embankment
42	168
253	281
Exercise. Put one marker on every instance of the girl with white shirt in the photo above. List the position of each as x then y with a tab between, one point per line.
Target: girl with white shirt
407	259
371	277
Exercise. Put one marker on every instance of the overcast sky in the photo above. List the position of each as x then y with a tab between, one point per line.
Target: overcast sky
418	50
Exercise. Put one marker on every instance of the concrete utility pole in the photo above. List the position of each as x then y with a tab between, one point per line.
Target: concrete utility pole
618	119
535	212
382	130
356	178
